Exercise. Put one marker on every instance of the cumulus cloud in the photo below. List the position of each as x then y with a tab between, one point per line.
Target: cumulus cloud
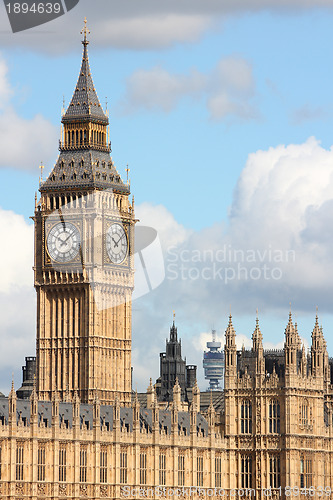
156	89
23	142
5	90
280	217
227	89
276	247
17	296
16	252
144	24
169	230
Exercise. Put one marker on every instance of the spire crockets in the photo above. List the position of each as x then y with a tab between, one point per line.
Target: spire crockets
317	349
290	332
257	347
230	334
257	336
85	105
173	330
230	355
84	160
290	350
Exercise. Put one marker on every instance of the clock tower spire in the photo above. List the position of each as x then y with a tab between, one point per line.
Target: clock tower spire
84	275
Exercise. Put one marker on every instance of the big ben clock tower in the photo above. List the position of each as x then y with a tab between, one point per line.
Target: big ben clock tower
84	236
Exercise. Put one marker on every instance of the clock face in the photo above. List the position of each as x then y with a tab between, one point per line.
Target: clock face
63	242
116	243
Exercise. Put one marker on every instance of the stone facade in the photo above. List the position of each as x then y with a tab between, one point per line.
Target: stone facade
83	432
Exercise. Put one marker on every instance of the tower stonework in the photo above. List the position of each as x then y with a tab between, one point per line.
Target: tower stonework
84	240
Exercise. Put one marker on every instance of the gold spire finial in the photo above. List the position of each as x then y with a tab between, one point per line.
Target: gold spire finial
85	31
174	316
41	166
127	172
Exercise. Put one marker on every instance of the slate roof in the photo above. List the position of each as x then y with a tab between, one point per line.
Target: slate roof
85	105
217	398
85	166
23	414
4	410
45	413
126	418
84	169
106	414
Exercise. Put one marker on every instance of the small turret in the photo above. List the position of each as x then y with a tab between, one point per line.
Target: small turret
151	396
211	416
290	348
230	355
12	405
317	350
257	347
304	362
196	397
177	396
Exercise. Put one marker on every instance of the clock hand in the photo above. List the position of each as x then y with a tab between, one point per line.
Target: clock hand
63	242
114	241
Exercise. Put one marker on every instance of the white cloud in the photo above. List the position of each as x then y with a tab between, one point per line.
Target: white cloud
151	30
16	252
156	89
227	89
17	296
5	90
276	247
283	202
24	143
145	24
281	218
170	232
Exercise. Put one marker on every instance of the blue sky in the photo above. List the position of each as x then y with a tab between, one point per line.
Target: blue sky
195	95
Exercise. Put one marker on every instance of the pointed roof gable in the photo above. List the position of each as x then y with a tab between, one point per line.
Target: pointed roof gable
230	334
316	332
290	332
85	105
318	341
257	336
84	164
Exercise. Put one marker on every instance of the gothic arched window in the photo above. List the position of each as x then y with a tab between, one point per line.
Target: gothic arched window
274	417
304	412
246	417
274	471
246	471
